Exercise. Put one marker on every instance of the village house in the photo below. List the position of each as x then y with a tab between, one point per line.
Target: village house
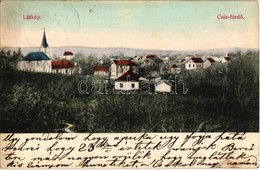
162	86
118	67
194	63
100	71
127	81
68	55
212	61
63	67
225	59
197	63
149	59
175	69
166	60
207	63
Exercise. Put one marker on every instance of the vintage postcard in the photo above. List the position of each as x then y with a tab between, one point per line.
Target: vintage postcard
129	84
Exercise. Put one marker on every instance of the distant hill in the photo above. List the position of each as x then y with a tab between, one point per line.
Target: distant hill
99	52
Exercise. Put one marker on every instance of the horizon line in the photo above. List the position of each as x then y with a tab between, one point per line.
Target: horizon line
129	48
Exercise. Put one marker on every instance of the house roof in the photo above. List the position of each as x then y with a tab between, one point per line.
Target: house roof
151	56
67	53
128	76
197	60
44	40
99	68
162	81
36	56
227	58
125	63
166	58
59	64
211	60
174	66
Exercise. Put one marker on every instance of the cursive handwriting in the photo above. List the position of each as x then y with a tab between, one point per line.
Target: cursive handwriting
148	150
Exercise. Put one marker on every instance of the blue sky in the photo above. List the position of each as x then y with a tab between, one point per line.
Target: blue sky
170	25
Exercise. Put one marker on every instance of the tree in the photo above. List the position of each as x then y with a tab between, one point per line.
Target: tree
86	63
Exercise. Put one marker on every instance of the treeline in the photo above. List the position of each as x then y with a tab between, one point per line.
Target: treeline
222	98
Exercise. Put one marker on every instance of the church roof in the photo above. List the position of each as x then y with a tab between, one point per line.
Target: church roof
36	56
44	40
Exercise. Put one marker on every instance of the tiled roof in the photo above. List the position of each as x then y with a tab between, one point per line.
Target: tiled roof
125	63
59	64
174	66
197	60
211	60
67	53
227	58
36	56
162	81
151	56
99	68
128	76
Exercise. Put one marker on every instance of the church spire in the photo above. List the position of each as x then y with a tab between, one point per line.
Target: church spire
44	40
44	46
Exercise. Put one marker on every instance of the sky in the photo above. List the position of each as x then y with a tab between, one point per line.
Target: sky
164	25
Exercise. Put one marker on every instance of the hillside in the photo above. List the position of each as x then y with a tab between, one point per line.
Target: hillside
99	52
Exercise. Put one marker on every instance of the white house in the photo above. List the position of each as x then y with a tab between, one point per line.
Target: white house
166	60
127	81
211	60
207	63
162	86
35	62
194	63
118	67
100	71
225	59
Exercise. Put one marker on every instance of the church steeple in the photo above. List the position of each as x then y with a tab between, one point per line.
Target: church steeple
44	40
44	46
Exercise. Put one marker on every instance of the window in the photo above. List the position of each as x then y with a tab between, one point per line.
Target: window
193	65
121	85
66	70
189	65
133	85
57	71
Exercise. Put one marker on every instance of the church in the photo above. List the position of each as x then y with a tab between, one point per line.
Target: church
41	61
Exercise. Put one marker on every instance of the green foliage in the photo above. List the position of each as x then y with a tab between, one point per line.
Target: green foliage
222	98
8	60
86	63
147	70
